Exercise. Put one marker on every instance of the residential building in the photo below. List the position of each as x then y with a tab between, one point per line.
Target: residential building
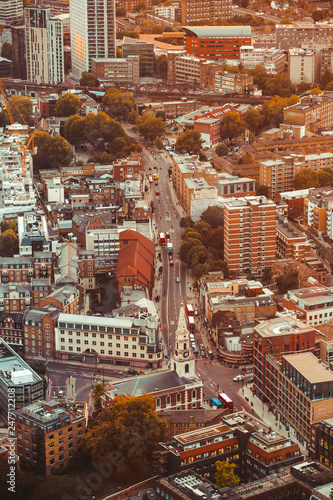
48	435
231	83
321	446
301	66
87	270
318	207
272	339
38	330
11	12
17	380
180	421
145	51
117	70
240	438
272	59
216	42
93	33
294	201
314	113
44	46
122	340
40	288
209	125
18	50
67	299
326	61
131	5
54	190
16	270
15	298
193	11
249	233
169	12
128	168
11	330
291	243
277	174
305	393
313	305
293	35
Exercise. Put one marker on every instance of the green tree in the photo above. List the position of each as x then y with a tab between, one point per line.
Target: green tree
305	179
24	482
157	28
254	120
247	158
279	85
51	151
267	275
6	51
118	103
55	487
225	475
186	246
98	391
67	105
189	142
260	76
88	80
232	126
150	127
222	149
9	244
303	87
318	15
262	190
285	20
74	129
288	282
102	126
131	428
22	109
326	78
325	177
214	216
158	143
132	116
273	110
161	65
186	222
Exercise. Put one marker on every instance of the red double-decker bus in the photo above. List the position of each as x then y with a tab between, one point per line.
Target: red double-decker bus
162	239
190	324
226	402
189	310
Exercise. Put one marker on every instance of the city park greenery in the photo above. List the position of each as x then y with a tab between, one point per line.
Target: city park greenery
225	475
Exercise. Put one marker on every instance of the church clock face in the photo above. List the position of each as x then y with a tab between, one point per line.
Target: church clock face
186	354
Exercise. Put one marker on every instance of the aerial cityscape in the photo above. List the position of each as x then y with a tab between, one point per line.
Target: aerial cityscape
166	237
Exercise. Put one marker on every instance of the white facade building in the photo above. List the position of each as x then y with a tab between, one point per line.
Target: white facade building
44	46
301	66
10	11
93	32
168	12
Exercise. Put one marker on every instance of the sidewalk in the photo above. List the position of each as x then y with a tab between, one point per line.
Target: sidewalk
261	410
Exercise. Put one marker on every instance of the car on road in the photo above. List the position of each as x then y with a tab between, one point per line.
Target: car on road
193	345
250	380
178	279
61	394
157	192
202	353
238	378
192	338
171	262
131	371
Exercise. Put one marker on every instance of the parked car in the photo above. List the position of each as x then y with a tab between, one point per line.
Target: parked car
178	279
61	394
250	380
238	378
193	345
131	371
192	338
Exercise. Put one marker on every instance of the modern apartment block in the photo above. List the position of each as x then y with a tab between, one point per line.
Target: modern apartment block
313	305
291	243
305	393
321	444
117	70
145	51
249	233
48	435
231	83
217	42
318	209
193	11
18	52
272	339
272	59
314	113
93	33
240	438
44	46
294	35
11	12
301	66
17	379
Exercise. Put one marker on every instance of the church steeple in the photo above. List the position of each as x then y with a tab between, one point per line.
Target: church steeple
182	360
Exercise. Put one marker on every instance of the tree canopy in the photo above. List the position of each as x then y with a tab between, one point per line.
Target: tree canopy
98	392
6	51
280	85
232	126
67	105
131	428
74	130
9	244
214	216
150	127
118	103
225	475
52	152
21	109
221	149
161	65
189	142
305	179
88	79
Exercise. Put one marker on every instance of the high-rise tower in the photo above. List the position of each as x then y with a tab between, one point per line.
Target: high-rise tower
93	32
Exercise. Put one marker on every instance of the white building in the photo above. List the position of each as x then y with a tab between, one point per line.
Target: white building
301	66
44	46
93	32
10	11
272	59
55	190
169	12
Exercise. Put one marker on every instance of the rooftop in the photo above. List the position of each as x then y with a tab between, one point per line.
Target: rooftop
217	31
310	367
281	326
14	370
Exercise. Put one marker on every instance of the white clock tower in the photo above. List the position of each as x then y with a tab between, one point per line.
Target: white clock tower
182	361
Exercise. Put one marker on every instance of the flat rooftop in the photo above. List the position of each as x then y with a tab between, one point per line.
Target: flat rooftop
310	367
281	326
201	434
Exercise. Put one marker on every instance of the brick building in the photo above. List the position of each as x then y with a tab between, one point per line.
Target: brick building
209	125
67	299
312	305
250	233
39	325
291	243
193	11
48	435
87	269
40	288
128	168
216	42
314	113
16	270
11	330
273	338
